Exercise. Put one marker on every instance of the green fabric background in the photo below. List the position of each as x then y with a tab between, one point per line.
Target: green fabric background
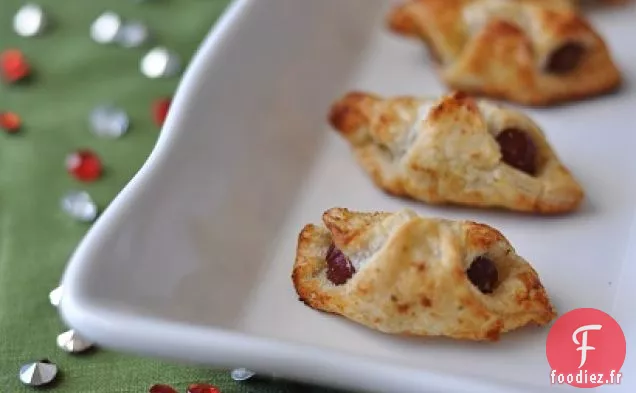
72	75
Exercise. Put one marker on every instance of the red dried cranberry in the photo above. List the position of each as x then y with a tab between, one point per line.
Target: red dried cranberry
565	58
483	274
339	268
518	150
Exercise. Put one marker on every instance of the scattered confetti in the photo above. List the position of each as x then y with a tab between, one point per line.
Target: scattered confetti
160	110
84	165
202	388
133	34
14	66
79	205
160	388
10	122
241	374
38	373
29	21
160	63
71	342
109	121
55	296
106	27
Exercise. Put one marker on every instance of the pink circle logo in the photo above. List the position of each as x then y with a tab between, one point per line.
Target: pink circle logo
586	348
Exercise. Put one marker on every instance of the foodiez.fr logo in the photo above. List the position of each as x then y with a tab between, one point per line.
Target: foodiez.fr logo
586	348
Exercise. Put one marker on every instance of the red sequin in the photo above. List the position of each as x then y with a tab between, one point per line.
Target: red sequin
160	110
84	165
10	122
160	388
203	388
13	65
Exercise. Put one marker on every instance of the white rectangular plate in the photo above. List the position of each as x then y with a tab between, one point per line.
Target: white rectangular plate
192	260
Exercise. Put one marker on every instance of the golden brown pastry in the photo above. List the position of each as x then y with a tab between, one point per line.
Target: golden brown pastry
615	2
581	2
400	273
455	150
532	52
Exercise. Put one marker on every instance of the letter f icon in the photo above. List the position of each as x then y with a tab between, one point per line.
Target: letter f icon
584	347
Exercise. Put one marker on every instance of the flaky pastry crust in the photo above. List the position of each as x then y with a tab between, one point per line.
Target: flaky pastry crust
411	276
502	48
443	151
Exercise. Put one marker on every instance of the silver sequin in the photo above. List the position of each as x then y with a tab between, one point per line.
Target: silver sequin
241	374
109	121
79	205
29	21
55	296
133	34
38	373
160	62
105	28
72	342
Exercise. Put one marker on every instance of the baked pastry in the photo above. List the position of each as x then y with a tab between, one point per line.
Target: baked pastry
576	3
532	52
455	150
400	273
580	2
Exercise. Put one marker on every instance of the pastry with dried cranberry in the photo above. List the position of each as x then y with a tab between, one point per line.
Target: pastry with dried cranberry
455	150
533	52
405	274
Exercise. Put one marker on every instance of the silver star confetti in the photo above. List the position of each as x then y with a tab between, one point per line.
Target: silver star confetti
105	28
160	62
71	342
79	205
29	21
109	121
55	296
38	373
241	374
133	34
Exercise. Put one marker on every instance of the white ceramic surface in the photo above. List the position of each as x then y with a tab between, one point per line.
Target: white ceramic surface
192	260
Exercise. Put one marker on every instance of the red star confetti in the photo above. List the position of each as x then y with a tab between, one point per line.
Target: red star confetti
13	66
10	122
160	110
203	388
160	388
84	165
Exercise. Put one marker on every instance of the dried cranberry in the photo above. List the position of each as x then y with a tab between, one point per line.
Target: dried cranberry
483	274
566	58
339	268
518	150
